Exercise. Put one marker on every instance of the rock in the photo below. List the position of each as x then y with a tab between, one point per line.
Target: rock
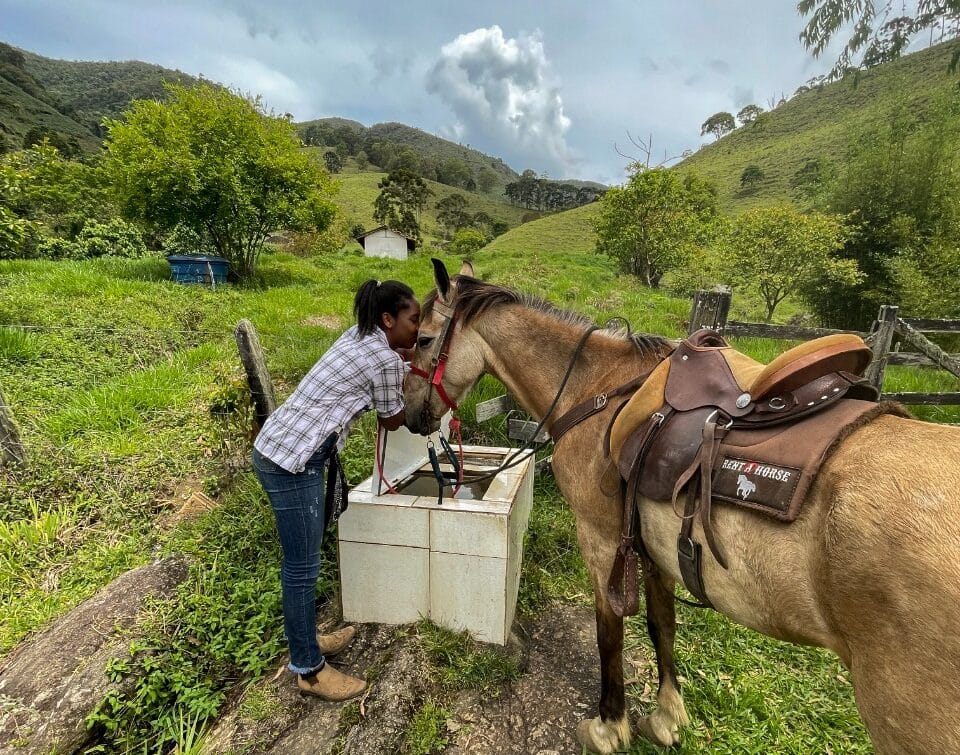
49	684
392	662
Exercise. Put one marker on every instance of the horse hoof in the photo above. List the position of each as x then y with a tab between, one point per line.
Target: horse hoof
654	728
603	737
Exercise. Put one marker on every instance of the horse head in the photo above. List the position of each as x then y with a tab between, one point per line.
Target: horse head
448	358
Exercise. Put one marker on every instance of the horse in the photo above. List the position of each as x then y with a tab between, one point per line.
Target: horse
870	569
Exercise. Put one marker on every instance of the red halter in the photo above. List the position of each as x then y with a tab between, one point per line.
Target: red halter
439	362
435	378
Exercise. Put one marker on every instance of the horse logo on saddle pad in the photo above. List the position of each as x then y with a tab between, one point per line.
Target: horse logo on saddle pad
745	487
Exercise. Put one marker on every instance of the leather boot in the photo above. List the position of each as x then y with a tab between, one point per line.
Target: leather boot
336	642
330	684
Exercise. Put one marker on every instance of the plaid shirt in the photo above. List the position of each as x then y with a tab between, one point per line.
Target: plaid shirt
353	376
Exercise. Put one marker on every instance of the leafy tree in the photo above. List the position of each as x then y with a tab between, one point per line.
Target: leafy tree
403	196
809	178
880	30
654	222
454	172
778	251
60	194
362	160
405	159
751	177
718	124
486	180
467	241
452	213
214	162
333	161
900	189
749	114
357	230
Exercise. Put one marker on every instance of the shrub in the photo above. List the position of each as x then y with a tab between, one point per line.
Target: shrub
184	240
57	248
466	241
116	238
18	236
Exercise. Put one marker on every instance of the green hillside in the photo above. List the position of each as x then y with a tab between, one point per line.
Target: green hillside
359	190
820	123
20	112
88	92
71	98
569	231
426	145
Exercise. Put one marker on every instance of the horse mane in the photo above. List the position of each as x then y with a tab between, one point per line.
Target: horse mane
475	297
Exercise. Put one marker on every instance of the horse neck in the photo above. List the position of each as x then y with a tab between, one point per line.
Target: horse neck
529	352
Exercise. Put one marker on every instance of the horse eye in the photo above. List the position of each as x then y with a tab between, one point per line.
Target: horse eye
424	341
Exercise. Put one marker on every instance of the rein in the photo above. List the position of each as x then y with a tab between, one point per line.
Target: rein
435	377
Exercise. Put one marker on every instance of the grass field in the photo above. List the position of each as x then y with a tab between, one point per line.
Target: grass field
127	387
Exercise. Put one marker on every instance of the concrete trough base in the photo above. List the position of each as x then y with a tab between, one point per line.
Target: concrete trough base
404	556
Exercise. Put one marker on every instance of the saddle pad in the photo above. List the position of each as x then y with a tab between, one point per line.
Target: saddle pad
771	470
643	403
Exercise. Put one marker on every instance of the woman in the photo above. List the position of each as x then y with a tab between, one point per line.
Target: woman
362	370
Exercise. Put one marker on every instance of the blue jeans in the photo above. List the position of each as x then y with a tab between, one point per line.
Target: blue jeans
298	501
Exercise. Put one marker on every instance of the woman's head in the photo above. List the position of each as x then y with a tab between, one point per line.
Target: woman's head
390	306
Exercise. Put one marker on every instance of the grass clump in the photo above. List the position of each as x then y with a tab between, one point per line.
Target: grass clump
460	662
427	732
17	345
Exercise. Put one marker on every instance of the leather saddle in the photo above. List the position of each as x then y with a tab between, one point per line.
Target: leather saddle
714	423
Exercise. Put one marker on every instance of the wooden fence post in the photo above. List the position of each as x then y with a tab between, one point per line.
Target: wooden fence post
710	310
11	449
255	365
882	338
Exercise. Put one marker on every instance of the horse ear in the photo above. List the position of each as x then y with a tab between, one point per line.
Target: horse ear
467	269
441	277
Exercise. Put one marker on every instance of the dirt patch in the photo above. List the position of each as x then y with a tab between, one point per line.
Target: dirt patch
537	714
330	322
186	502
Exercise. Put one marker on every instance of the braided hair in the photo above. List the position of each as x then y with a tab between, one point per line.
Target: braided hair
374	298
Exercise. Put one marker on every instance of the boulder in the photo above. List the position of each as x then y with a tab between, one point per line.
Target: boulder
51	682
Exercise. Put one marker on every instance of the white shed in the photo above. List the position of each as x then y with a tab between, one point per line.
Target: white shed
383	242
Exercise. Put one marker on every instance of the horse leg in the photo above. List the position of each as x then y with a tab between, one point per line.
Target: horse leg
611	730
662	726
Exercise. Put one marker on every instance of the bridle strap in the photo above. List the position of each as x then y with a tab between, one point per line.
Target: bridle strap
570	419
439	363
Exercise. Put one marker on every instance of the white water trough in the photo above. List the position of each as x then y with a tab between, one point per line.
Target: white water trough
404	556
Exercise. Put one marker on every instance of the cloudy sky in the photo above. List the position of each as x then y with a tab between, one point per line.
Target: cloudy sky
555	86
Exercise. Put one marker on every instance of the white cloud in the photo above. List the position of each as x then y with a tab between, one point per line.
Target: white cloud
253	77
501	91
